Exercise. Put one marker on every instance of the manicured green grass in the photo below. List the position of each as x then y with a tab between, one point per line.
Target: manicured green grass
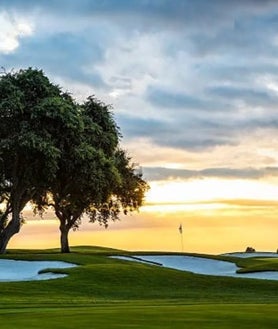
257	265
140	316
110	293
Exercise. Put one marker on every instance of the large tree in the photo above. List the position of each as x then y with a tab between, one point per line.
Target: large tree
33	112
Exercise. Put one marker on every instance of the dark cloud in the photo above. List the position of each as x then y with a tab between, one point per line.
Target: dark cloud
162	98
159	173
167	99
202	129
200	13
233	72
181	132
249	96
253	38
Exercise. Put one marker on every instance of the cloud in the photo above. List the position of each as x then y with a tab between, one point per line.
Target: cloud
161	174
13	28
195	132
198	13
173	100
250	96
181	132
58	54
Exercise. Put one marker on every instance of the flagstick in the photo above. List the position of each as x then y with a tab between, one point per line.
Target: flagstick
181	233
181	241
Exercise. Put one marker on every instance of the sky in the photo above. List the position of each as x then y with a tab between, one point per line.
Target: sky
194	89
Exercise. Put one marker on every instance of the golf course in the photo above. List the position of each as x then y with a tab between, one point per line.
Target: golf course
105	292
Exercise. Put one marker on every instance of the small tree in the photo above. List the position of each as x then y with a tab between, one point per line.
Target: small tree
28	155
93	176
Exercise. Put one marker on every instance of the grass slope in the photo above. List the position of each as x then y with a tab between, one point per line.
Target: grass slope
109	293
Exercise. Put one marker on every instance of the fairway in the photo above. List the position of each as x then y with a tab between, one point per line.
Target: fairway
140	316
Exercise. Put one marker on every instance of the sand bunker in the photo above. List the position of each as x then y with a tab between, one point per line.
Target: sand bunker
201	265
252	254
18	270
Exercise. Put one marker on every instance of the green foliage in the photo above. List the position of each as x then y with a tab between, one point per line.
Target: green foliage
132	189
101	129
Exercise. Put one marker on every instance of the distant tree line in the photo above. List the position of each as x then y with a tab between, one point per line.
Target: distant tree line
55	152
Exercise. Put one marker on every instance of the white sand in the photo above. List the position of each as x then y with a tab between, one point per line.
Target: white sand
18	270
201	265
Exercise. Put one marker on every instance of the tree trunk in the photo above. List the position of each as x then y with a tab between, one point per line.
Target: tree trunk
8	232
4	240
64	240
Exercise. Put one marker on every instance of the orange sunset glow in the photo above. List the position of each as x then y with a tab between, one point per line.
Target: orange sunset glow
217	216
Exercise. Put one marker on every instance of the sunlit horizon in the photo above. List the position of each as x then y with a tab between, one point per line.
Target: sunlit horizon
229	218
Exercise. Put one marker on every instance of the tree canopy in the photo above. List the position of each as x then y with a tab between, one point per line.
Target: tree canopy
28	154
61	154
